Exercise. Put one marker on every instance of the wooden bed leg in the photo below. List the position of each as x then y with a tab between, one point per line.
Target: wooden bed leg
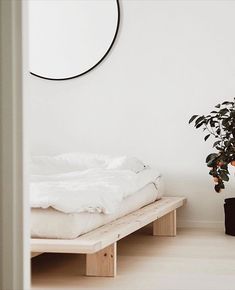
102	263
166	225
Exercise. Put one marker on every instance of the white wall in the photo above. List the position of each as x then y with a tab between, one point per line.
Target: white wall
171	59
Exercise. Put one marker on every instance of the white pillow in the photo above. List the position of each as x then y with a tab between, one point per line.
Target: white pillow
127	163
46	165
66	163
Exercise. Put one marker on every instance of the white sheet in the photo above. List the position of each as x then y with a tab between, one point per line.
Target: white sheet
100	188
50	223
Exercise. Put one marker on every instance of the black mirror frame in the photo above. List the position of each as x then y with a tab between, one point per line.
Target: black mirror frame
94	66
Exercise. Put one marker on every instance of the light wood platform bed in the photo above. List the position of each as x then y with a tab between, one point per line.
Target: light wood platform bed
100	245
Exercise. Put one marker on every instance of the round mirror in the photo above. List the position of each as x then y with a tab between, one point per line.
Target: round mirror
68	38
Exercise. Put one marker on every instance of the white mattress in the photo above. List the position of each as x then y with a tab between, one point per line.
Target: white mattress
50	223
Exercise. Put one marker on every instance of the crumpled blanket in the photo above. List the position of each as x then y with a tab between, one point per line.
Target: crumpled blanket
78	182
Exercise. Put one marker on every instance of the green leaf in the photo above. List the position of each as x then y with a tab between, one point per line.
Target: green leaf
227	103
199	125
211	156
212	123
216	143
222	185
225	170
206	137
200	119
225	167
217	187
219	148
212	163
218	131
192	118
223	111
225	122
224	176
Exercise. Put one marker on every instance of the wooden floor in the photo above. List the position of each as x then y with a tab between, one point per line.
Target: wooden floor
197	259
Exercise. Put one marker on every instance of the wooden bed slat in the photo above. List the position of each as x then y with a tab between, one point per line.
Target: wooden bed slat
108	234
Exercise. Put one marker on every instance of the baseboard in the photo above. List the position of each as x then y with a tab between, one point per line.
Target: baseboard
200	224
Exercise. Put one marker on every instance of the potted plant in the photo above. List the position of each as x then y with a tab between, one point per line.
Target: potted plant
220	124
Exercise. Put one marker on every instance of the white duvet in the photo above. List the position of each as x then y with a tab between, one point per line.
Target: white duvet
79	182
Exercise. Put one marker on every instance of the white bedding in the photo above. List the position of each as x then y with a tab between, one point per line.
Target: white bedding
50	223
78	182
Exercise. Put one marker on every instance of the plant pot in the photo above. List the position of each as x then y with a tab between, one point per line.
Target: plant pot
229	211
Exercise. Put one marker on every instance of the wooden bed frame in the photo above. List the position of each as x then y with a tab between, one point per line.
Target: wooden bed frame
100	245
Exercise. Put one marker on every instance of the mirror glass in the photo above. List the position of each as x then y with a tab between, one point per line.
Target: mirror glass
68	38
